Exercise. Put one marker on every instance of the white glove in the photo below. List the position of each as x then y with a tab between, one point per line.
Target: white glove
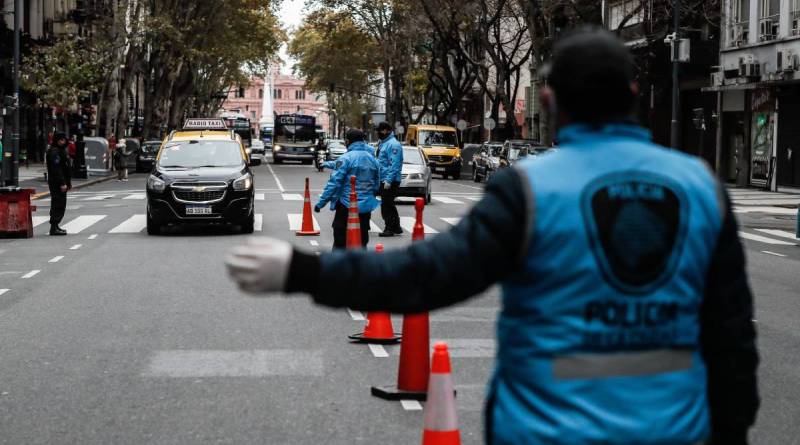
387	185
262	265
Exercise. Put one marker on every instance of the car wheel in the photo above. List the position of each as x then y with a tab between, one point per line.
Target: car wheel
249	225
428	195
152	227
457	175
275	160
475	177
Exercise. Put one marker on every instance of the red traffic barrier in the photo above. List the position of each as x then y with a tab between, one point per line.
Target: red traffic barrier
378	329
16	219
307	229
441	417
353	221
414	368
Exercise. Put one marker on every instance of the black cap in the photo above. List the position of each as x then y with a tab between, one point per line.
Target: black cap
591	72
384	126
354	135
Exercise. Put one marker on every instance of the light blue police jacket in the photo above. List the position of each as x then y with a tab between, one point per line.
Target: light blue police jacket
359	161
599	333
390	157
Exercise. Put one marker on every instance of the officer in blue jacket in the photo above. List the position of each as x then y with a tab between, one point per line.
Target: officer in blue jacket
390	157
358	161
627	314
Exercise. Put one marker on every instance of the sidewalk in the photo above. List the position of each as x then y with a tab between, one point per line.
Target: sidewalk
33	177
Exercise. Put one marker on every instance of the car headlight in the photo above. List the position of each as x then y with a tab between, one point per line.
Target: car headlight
243	183
155	184
415	176
248	151
276	148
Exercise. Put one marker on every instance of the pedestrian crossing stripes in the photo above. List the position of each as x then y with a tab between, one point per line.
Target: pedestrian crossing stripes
37	220
259	196
138	196
446	200
779	233
134	224
451	221
82	222
296	222
764	239
258	222
292	197
407	223
97	198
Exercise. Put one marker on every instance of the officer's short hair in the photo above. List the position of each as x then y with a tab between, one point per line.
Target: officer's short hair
384	126
591	72
354	135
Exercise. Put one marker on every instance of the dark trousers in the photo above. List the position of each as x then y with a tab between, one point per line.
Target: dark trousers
340	227
58	205
389	209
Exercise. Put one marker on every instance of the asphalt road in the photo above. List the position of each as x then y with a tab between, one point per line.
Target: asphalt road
122	337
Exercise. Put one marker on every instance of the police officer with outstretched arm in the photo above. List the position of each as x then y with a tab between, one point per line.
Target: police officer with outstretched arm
59	181
358	162
627	313
390	157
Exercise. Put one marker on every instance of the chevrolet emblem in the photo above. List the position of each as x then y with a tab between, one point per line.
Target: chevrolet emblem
199	189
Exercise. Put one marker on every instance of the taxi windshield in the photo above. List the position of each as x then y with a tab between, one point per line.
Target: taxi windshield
434	138
194	154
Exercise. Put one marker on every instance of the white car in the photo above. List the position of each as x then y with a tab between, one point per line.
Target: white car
416	174
335	148
256	150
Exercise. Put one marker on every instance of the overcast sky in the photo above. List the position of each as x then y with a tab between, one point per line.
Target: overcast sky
291	16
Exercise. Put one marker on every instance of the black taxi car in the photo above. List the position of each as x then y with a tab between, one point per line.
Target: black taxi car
202	175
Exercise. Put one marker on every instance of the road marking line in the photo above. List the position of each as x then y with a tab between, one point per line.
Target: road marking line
773	253
356	315
92	236
259	196
446	200
82	222
296	221
762	209
779	233
277	181
407	222
292	197
763	239
258	222
411	405
136	196
314	243
373	228
134	224
98	198
31	273
56	259
464	185
76	247
378	351
451	221
474	198
37	220
248	363
2	291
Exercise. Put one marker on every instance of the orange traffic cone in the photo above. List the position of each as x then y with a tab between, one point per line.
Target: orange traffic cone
379	328
307	228
353	221
441	419
414	368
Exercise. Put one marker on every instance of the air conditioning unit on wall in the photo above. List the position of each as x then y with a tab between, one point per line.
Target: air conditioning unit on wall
749	67
787	61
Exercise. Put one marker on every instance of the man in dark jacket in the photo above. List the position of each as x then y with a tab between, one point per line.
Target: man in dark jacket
59	180
627	314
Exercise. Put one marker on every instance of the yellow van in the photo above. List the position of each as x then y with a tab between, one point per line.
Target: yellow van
440	144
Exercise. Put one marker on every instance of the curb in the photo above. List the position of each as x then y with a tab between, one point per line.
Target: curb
76	187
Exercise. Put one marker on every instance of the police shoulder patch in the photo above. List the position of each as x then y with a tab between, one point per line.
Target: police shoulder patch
338	164
636	224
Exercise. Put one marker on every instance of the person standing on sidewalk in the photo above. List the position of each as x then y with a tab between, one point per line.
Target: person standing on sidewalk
59	181
358	162
627	314
390	157
120	161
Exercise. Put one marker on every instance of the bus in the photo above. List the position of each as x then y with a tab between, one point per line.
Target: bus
240	125
295	138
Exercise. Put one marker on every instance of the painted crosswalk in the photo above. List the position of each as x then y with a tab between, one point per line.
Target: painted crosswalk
296	222
764	239
446	200
407	223
81	223
134	224
779	233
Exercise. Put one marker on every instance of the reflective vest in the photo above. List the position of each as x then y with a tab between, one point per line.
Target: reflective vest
599	332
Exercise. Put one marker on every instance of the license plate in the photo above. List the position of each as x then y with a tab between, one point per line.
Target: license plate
439	169
198	210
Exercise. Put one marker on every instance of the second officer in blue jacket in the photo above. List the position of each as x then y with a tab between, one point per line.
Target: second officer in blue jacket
390	157
359	162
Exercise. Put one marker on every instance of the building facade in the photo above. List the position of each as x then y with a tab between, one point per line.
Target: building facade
757	87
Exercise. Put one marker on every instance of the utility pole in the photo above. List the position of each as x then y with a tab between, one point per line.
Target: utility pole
13	178
674	126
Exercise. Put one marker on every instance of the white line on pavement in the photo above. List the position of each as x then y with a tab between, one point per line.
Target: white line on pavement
355	315
31	273
446	200
56	259
2	291
779	233
98	198
314	243
773	253
474	198
451	221
92	236
373	228
378	351
407	222
277	181
763	239
76	247
411	405
292	197
82	222
259	196
258	222
136	196
134	224
296	221
40	220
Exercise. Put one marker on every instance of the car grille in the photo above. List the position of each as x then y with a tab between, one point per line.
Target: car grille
438	158
199	196
188	192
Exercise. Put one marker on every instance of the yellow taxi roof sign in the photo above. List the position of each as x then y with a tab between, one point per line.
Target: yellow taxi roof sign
204	123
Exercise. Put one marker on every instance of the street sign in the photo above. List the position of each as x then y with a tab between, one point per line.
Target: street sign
461	124
489	123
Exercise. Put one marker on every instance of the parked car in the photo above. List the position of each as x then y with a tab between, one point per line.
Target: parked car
517	149
256	150
146	156
486	161
416	174
335	148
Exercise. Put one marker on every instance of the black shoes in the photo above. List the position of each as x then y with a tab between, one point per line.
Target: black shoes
389	233
57	231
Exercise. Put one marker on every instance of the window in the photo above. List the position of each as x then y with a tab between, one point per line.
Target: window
252	115
260	93
794	16
768	19
299	94
617	13
240	92
276	94
740	22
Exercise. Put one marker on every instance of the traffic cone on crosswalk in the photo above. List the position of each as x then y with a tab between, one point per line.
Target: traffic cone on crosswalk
414	367
441	419
307	229
353	221
378	329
